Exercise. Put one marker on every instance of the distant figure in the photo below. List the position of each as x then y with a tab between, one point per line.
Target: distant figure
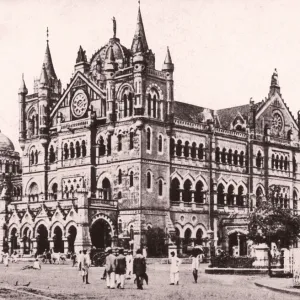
110	269
195	264
85	265
6	259
79	260
120	269
36	266
129	264
14	257
139	268
174	269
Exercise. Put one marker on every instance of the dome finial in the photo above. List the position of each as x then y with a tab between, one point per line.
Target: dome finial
114	26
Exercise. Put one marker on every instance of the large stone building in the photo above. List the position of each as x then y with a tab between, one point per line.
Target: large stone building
114	154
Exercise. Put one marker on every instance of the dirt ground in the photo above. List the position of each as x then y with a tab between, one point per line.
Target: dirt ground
64	282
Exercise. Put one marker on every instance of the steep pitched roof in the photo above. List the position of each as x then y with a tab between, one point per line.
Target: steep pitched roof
227	115
49	64
139	32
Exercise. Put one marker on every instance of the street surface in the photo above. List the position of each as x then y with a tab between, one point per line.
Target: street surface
64	282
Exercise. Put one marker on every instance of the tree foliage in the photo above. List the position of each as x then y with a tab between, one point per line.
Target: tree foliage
271	222
156	238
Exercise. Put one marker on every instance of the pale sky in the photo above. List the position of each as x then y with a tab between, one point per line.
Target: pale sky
224	51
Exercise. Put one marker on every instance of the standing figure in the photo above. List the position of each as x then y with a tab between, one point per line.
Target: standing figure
14	257
79	260
110	269
5	259
129	264
174	270
195	264
139	268
85	264
121	269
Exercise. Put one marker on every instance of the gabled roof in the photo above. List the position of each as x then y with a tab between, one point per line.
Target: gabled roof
227	115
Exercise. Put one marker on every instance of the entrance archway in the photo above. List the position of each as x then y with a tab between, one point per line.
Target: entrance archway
57	240
13	240
42	239
72	232
100	233
187	239
26	241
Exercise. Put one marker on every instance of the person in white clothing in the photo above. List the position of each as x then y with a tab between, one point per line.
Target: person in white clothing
129	264
174	270
85	265
195	264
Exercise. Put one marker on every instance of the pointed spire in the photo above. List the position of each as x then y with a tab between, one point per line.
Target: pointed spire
48	60
139	31
168	59
23	89
81	56
168	64
44	76
139	45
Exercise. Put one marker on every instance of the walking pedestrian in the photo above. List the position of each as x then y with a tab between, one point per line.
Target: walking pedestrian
174	270
80	257
129	264
85	265
139	268
195	264
110	269
121	269
6	259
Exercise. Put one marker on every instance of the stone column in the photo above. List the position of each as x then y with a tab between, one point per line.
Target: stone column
239	243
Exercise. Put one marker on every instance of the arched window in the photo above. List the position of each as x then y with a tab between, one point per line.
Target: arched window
72	150
294	165
101	147
131	135
109	145
83	146
259	196
66	151
148	180
125	105
277	162
120	176
51	155
286	163
242	158
14	167
229	158
154	106
240	197
295	200
200	152
149	105
160	144
199	196
119	142
36	156
187	195
54	191
172	147
130	104
7	167
223	157
179	148
281	163
220	194
217	154
175	192
230	195
78	149
148	139
32	158
131	178
193	150
235	158
160	187
258	160
186	149
106	189
273	161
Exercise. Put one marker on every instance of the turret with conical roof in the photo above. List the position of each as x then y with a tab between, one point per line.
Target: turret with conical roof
139	32
168	64
23	88
44	81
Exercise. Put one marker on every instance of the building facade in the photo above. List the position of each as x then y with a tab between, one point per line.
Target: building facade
114	154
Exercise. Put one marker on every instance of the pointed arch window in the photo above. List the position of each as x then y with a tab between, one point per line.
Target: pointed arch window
120	176
72	150
148	139
240	197
101	146
242	159
149	104
193	150
131	135
14	167
230	195
179	148
273	161
36	156
149	183
223	157
281	163
160	187
109	145
235	158
201	152
51	154
130	104
32	158
217	154
199	194
187	194
172	147
160	142
131	178
119	142
78	149
66	151
83	146
229	158
175	191
125	105
295	200
294	164
186	149
258	160
286	163
220	194
154	106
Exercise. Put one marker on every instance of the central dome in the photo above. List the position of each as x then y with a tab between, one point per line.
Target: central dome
5	143
122	55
